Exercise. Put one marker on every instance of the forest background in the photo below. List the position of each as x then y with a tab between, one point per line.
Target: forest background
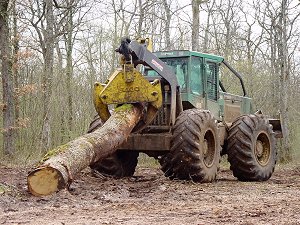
52	52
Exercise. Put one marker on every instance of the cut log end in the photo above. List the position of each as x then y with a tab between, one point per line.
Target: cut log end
45	181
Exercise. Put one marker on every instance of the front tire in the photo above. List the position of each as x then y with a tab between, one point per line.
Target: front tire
195	147
251	148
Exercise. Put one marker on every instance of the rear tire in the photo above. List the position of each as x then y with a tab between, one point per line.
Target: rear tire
251	148
195	147
118	165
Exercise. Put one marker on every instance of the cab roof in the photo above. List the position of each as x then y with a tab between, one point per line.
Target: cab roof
187	53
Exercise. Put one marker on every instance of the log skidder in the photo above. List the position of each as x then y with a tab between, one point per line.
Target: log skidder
187	117
251	148
195	147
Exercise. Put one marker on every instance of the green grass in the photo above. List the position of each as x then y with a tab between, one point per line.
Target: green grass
146	161
224	164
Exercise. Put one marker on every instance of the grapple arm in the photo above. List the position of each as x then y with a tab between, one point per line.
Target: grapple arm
141	55
128	85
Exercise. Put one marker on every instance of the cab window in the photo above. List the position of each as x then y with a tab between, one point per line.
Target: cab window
196	78
179	67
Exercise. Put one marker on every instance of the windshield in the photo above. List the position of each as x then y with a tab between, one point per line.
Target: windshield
179	67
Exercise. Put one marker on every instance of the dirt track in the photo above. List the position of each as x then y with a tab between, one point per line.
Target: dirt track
150	198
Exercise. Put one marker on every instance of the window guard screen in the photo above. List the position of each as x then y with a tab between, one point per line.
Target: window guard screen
212	86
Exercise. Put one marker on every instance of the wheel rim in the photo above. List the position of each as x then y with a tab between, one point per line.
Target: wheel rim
262	149
209	148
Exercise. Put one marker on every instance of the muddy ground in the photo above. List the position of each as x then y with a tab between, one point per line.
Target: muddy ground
150	198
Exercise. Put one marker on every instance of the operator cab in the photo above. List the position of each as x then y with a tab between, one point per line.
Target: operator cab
198	76
190	68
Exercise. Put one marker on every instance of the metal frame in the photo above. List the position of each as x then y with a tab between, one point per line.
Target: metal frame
141	55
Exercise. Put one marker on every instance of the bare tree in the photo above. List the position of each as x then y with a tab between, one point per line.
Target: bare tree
42	20
69	67
283	59
8	106
196	24
167	22
210	10
141	17
15	55
48	53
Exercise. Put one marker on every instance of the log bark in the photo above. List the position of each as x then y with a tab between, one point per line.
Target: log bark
60	165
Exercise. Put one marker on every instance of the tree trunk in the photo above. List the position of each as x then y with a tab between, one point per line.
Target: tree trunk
7	82
47	74
284	81
69	68
141	18
205	41
167	23
15	66
63	134
114	39
195	25
61	165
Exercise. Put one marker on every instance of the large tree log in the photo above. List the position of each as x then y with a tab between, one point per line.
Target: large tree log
60	165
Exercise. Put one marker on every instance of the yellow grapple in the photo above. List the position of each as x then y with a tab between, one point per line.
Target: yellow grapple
127	85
